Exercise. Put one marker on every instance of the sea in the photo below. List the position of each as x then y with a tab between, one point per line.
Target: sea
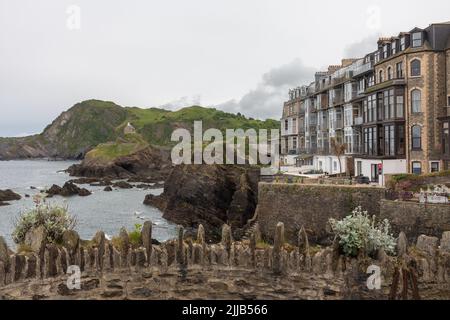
106	211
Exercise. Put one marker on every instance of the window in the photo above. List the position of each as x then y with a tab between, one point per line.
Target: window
380	76
416	101
400	70
446	137
371	81
401	140
415	68
417	167
286	125
389	110
294	125
416	137
370	141
394	47
434	167
400	106
377	57
402	43
417	39
389	140
389	73
294	143
385	51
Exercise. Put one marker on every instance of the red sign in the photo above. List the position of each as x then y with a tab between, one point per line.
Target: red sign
380	168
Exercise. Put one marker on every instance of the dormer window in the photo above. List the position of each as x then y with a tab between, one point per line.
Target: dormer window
417	39
394	47
402	43
377	57
385	51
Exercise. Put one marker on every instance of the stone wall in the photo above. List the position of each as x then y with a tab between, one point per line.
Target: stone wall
311	206
118	270
416	218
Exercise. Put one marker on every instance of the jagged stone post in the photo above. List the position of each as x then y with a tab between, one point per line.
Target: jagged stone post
99	241
227	239
201	241
147	240
124	247
4	261
304	250
402	245
253	250
180	253
277	264
257	233
71	241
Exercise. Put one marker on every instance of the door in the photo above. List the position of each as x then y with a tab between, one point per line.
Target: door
359	168
374	170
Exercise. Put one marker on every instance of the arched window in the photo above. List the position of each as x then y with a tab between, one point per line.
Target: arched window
390	74
415	68
416	101
416	137
380	77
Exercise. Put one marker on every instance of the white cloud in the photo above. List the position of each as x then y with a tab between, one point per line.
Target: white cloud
266	100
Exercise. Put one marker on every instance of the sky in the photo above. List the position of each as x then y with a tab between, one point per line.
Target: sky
235	55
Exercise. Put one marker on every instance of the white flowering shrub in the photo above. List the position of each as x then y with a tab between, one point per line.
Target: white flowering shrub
55	219
359	231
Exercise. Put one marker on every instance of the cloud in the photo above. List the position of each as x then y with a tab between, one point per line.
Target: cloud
360	48
266	100
183	102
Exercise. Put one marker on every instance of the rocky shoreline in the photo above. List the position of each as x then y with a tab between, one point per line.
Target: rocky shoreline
8	195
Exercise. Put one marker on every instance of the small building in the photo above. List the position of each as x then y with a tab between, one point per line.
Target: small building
129	129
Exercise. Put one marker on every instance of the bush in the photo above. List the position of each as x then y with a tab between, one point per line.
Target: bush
359	232
55	219
135	236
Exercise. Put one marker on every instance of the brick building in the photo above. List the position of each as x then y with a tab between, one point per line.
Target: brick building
390	109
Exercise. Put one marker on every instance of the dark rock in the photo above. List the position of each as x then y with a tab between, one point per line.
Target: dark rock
85	180
69	189
210	195
9	195
108	189
36	239
122	185
84	192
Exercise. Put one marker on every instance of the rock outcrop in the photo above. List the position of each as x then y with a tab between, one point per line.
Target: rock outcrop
8	195
151	163
69	189
210	195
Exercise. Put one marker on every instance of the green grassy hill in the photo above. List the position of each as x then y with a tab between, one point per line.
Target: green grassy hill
94	122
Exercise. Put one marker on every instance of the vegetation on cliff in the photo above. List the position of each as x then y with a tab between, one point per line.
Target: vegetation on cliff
93	122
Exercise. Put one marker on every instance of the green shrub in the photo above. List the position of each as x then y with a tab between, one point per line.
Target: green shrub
360	232
55	219
135	236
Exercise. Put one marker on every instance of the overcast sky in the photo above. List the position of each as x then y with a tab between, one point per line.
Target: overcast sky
238	55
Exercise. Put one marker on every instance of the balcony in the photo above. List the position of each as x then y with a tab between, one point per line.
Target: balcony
338	124
363	69
386	84
358	121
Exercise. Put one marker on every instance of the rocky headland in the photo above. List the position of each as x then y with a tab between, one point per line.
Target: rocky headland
210	195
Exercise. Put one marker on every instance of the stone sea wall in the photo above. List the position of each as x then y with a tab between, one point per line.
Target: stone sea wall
312	206
419	271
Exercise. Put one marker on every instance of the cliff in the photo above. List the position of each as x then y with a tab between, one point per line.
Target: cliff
90	123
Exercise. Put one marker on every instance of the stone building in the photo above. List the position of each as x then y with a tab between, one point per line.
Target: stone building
129	129
390	108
